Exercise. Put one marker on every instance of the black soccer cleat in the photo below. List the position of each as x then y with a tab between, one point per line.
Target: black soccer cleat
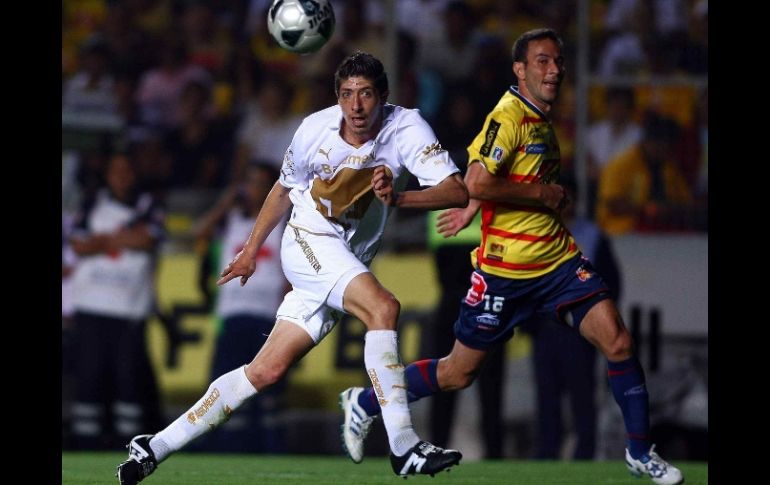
141	461
424	459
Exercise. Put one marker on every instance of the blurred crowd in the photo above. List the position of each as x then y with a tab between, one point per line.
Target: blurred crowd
195	91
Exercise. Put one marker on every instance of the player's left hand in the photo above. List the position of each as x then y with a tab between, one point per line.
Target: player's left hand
554	197
382	184
454	220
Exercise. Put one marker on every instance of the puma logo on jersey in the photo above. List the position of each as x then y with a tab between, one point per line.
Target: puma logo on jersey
325	153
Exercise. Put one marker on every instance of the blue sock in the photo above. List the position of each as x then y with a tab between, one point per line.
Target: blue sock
628	386
421	381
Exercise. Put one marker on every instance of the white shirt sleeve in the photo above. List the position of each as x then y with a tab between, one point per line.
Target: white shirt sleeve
420	151
295	168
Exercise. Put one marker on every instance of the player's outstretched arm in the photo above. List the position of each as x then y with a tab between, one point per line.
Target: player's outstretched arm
485	186
450	192
245	262
454	220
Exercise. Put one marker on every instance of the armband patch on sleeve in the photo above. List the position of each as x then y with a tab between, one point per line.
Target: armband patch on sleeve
489	137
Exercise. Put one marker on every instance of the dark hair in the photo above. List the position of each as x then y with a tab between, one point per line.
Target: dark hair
364	65
521	46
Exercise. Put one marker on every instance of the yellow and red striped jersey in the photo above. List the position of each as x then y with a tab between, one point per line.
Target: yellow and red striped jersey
519	241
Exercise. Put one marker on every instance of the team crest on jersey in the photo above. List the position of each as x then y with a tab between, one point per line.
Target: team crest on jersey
497	248
287	168
583	274
476	292
430	151
498	153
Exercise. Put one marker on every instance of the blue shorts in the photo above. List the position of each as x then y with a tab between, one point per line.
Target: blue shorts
494	306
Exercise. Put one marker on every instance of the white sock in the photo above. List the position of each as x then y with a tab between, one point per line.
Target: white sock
223	396
386	372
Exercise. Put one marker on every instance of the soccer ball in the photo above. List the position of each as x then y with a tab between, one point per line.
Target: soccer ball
301	26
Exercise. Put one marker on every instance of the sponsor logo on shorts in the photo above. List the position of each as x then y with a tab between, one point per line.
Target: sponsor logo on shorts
489	137
476	292
583	274
488	319
308	251
498	153
201	411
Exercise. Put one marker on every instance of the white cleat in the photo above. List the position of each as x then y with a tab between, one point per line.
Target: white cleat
356	425
660	471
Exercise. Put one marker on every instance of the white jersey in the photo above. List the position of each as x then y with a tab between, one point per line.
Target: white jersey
264	290
331	179
119	284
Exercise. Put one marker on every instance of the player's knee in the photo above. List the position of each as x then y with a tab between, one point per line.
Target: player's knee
263	375
620	348
384	312
391	308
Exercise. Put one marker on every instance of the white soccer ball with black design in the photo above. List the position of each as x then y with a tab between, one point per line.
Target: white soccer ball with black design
301	26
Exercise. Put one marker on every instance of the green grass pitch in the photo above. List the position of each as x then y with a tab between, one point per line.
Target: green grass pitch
206	469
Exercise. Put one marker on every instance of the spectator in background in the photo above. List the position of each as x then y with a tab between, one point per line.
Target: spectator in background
564	363
356	31
644	188
246	313
267	127
695	52
116	237
611	135
452	53
207	40
420	18
89	101
616	132
160	89
695	158
647	37
198	147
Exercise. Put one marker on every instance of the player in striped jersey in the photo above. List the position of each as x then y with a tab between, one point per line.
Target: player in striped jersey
527	262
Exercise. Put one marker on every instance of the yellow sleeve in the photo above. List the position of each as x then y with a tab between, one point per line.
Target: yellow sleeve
495	145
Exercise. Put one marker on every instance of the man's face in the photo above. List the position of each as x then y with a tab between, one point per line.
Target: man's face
361	106
541	76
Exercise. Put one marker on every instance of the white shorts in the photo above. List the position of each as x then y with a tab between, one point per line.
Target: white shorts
319	268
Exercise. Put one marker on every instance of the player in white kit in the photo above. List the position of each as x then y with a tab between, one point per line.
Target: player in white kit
335	175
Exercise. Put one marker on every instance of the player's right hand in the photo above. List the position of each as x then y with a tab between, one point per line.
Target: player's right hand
454	220
554	196
382	184
242	265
